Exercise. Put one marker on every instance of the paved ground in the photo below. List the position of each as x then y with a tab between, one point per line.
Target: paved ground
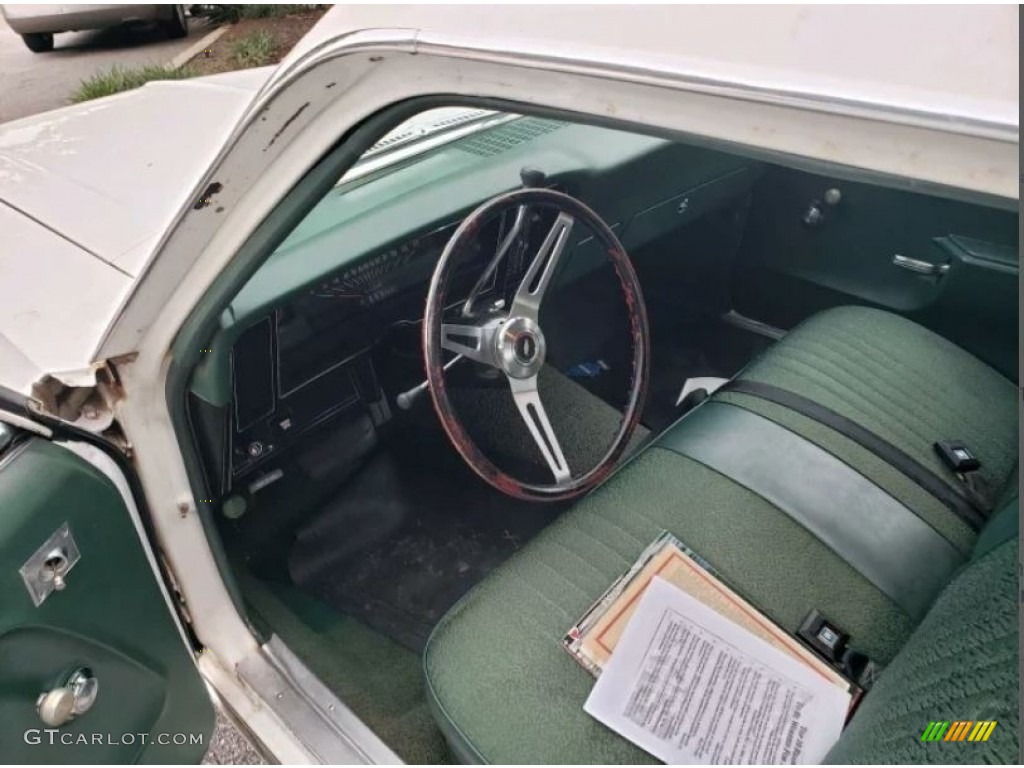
37	82
229	747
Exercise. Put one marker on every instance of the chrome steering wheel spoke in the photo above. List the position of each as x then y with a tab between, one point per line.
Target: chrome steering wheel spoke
469	307
527	399
476	342
531	290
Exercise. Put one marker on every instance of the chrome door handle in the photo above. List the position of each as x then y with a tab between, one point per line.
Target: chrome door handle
920	267
60	706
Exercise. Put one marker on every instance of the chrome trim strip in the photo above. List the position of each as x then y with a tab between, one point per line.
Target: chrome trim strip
734	318
919	266
324	724
21	422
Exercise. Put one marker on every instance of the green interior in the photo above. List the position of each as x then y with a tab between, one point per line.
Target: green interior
111	619
357	527
505	629
619	174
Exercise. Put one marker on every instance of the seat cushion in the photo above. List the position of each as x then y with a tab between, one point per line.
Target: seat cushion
502	687
960	665
903	383
881	538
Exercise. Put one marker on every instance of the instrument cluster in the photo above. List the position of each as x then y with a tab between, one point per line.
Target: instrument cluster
385	274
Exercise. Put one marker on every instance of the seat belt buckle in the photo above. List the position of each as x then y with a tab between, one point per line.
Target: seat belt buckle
830	643
957	456
824	637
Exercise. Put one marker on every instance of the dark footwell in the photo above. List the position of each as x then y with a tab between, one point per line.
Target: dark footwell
413	532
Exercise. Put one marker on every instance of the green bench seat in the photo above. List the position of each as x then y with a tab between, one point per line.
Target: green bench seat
502	688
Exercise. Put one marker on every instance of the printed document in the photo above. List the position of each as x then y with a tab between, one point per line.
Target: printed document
692	687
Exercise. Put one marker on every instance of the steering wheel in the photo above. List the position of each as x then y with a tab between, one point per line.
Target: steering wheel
511	340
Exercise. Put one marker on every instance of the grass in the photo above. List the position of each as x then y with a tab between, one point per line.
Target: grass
118	78
255	49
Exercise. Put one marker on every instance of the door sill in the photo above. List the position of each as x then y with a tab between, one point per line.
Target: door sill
294	715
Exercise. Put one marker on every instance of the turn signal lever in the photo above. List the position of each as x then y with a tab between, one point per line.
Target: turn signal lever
407	399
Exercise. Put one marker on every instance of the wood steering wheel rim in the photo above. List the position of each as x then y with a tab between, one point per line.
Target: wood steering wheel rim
437	299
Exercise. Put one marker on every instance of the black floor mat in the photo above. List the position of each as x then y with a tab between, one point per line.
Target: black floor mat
689	347
671	365
409	536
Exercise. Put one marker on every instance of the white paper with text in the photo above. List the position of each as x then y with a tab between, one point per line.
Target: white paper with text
692	687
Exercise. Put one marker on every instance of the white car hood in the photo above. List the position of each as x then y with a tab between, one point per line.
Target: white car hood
109	174
85	194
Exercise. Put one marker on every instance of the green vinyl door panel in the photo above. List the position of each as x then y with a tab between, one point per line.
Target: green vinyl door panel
794	262
111	619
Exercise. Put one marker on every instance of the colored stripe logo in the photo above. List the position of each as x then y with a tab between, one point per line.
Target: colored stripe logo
958	730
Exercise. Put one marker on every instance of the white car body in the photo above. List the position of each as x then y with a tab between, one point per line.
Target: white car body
117	240
97	229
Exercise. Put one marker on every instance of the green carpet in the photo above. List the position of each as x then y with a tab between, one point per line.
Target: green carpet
378	679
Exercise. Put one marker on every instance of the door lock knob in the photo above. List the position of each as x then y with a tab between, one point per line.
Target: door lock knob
55	566
61	705
46	571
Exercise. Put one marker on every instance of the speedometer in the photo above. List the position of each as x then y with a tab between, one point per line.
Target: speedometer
337	289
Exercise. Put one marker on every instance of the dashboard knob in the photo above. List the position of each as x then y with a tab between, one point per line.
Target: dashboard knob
233	507
832	196
532	177
813	216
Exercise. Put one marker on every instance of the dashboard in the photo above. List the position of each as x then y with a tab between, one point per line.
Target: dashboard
334	320
295	351
338	317
309	361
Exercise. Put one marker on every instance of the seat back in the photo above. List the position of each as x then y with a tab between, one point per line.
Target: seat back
961	664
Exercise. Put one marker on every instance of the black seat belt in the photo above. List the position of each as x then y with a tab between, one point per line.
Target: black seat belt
968	505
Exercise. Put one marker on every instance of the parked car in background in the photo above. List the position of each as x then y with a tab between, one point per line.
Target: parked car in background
37	24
